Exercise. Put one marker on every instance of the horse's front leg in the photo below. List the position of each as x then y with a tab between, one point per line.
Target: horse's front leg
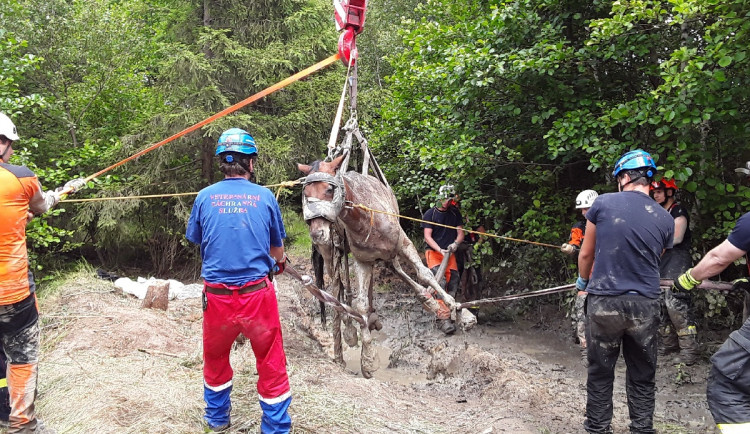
368	360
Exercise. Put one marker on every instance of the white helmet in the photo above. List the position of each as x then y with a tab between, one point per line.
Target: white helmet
446	191
7	128
586	198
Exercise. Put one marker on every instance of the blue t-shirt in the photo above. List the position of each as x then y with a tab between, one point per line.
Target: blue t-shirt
740	235
235	222
631	232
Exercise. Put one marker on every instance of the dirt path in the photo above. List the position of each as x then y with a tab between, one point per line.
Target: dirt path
110	367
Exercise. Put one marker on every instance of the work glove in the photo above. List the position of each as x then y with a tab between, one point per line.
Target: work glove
685	282
741	285
74	185
53	197
581	283
279	267
568	249
452	247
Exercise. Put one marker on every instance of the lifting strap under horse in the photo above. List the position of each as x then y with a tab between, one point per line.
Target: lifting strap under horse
352	131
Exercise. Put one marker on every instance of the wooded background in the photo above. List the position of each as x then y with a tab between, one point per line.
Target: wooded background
520	104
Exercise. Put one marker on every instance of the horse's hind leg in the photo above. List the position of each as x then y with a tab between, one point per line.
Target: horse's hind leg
408	253
368	359
423	295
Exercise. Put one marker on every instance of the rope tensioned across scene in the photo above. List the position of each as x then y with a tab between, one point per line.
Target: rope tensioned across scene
289	184
285	184
518	240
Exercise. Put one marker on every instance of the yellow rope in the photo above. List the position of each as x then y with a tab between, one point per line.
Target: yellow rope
357	205
290	184
145	196
285	184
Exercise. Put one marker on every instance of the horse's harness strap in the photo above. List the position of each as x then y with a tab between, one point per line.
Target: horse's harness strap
313	207
336	181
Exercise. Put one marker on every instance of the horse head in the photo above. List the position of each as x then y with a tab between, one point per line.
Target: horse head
323	197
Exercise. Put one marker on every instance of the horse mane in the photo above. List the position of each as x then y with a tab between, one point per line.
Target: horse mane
315	166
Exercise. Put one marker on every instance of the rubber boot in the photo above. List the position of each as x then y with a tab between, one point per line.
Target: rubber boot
446	326
584	357
690	349
669	341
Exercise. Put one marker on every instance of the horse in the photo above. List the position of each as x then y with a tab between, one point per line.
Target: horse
335	224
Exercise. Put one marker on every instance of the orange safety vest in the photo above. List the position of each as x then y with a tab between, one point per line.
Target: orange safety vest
19	185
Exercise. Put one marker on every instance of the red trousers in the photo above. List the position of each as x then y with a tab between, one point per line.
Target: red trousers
256	315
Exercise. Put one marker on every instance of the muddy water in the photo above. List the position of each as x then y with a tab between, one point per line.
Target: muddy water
383	355
407	345
680	404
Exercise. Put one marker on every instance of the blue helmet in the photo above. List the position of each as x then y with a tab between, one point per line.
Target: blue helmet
638	159
236	140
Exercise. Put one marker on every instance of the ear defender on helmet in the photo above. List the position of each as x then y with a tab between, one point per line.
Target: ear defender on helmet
744	170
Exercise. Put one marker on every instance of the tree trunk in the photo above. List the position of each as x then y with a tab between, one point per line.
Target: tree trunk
207	159
207	148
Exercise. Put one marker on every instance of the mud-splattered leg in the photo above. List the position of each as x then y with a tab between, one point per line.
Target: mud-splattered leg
360	303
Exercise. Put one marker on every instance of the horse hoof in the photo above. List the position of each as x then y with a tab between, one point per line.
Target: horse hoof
373	322
467	319
368	364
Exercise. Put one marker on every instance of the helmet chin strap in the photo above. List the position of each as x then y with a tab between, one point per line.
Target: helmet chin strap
622	186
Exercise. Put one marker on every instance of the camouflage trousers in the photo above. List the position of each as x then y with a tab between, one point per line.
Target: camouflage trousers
19	335
676	319
579	317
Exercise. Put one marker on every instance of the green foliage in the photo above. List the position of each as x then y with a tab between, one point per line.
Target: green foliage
117	76
297	241
523	104
716	303
682	376
15	65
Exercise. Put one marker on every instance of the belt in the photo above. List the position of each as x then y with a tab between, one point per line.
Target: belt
244	290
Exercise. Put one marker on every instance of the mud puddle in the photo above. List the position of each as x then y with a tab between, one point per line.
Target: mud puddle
681	391
383	356
534	371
